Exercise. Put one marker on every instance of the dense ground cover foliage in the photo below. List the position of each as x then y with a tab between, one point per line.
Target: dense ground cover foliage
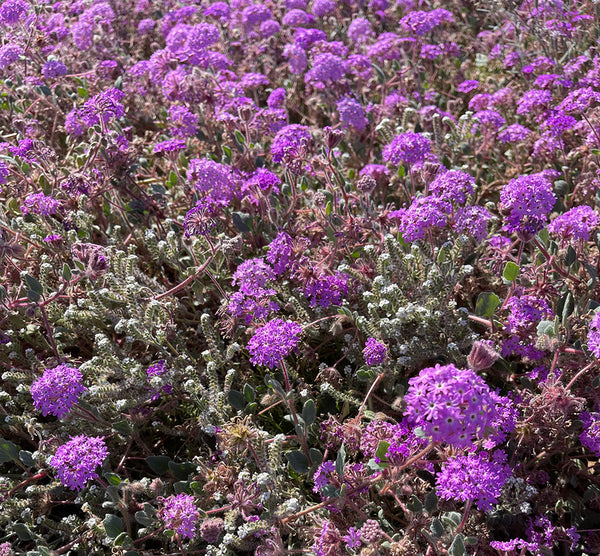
299	277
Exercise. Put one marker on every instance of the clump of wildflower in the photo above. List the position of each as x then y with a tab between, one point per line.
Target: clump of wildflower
476	477
215	180
527	202
38	203
185	123
450	405
352	538
180	514
590	437
576	223
280	252
53	69
352	114
534	99
579	100
93	257
468	86
57	390
6	549
453	185
374	352
422	22
424	214
360	30
199	220
472	221
211	529
273	342
12	11
102	107
76	461
327	290
9	53
526	311
294	135
593	339
407	148
327	69
482	356
328	540
514	133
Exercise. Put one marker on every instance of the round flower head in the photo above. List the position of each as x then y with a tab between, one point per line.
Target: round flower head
180	514
590	437
408	148
76	461
474	477
273	341
450	405
57	390
593	339
527	201
576	223
374	352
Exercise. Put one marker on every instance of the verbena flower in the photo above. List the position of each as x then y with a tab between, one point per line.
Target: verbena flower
179	513
576	223
421	22
514	133
526	311
327	69
453	185
57	390
273	342
76	461
473	221
532	100
12	11
593	338
38	203
450	405
9	53
352	114
477	477
214	179
280	253
590	437
294	135
185	123
360	29
374	352
407	148
424	214
527	202
468	86
327	290
53	69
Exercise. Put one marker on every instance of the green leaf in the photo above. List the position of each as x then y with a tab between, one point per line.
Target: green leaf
66	273
33	284
82	92
381	451
486	304
401	172
249	393
309	412
431	501
316	456
546	328
414	504
242	221
33	296
570	257
298	461
112	478
340	462
144	519
158	464
123	427
227	151
113	525
436	528
328	208
23	532
568	308
239	137
236	400
182	487
26	458
451	519
457	548
8	451
511	271
181	471
172	179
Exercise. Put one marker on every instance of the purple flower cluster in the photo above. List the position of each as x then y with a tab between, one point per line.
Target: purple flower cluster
76	461
476	477
280	252
424	214
102	107
57	390
327	290
514	133
421	22
527	202
590	437
185	123
577	223
215	180
526	311
12	11
374	352
38	203
180	514
352	114
407	148
273	342
450	405
453	185
53	69
291	136
593	338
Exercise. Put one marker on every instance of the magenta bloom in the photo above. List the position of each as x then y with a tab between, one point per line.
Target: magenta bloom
76	461
180	514
273	341
57	390
374	352
475	477
450	405
593	339
576	223
407	148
